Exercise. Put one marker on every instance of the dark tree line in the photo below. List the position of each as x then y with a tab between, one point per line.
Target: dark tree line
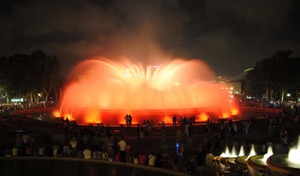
275	76
29	75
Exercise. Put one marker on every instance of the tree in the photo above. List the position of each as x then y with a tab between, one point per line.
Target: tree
275	75
46	72
30	74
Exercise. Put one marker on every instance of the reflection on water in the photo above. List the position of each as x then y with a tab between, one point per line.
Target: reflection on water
36	166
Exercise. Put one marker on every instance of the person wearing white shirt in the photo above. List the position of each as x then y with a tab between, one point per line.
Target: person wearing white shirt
122	147
87	153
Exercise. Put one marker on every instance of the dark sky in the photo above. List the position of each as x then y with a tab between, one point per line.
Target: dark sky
229	36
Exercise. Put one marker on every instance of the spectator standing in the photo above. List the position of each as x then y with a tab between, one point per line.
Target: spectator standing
174	120
122	149
200	155
73	144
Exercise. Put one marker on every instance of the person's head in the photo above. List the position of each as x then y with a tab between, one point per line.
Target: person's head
192	160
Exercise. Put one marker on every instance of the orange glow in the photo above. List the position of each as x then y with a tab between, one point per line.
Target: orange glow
225	115
202	117
105	91
56	114
69	116
235	111
168	120
92	116
132	123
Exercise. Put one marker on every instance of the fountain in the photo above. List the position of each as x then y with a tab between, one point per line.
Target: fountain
104	91
286	164
257	163
240	161
226	161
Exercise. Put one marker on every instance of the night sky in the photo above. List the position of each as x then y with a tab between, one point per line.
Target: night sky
229	35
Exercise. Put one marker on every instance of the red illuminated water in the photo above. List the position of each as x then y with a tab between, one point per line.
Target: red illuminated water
104	91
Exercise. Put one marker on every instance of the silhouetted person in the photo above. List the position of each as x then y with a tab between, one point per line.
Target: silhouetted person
174	120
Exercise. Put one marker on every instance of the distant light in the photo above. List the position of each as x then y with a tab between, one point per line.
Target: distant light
288	95
17	100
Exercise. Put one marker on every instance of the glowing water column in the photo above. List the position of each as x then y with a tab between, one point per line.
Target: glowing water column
104	91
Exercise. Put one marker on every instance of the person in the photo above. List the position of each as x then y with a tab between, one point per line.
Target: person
175	164
141	132
122	149
174	120
104	156
190	166
209	158
110	147
181	150
66	150
87	153
127	119
246	126
164	145
15	151
25	138
151	159
200	156
136	158
41	151
142	158
73	144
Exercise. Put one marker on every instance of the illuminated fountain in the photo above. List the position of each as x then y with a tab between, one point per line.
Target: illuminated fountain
241	159
257	163
104	91
226	161
286	164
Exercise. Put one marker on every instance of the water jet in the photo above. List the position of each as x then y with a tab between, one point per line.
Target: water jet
104	91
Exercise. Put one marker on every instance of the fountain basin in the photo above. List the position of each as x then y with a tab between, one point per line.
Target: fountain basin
280	164
231	161
224	161
241	162
256	162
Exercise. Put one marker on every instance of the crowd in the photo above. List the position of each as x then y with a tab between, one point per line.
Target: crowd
100	142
